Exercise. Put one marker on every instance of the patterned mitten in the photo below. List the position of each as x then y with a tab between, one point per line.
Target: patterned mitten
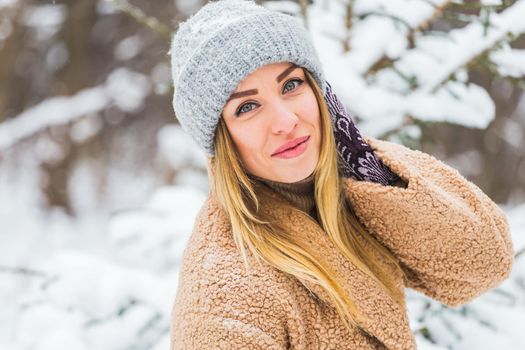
357	158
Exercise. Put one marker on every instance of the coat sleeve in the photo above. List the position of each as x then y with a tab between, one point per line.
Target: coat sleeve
452	241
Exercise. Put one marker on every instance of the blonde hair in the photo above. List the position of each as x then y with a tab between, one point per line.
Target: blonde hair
271	240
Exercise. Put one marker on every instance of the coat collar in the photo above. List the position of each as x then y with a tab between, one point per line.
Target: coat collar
388	322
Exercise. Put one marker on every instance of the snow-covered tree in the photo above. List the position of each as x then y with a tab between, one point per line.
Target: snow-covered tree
400	63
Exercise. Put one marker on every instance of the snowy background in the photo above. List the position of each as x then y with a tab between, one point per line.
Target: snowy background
99	186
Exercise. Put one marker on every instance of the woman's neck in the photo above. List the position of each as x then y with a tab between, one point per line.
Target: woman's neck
301	193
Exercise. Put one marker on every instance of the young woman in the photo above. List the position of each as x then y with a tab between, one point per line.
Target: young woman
310	232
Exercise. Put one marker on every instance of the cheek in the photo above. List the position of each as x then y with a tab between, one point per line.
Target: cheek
310	109
247	140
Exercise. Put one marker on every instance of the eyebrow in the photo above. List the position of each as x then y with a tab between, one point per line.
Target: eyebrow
279	78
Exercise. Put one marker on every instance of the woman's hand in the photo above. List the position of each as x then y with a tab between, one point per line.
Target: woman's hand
357	159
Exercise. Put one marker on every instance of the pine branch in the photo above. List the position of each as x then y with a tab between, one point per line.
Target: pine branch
384	61
438	11
395	18
304	11
460	17
138	15
450	326
472	61
17	270
479	5
504	33
519	253
408	120
348	25
483	62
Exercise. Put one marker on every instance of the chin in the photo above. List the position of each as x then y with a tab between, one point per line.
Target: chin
295	175
288	171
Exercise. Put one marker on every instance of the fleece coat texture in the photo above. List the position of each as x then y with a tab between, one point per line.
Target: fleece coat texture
451	239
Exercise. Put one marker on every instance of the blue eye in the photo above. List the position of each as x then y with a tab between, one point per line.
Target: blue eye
242	110
298	81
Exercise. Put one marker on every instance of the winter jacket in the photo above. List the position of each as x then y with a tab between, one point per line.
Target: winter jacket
452	242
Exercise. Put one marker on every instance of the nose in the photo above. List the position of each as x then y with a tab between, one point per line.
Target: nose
283	118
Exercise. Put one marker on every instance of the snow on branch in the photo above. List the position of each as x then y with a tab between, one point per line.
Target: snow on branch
141	17
380	30
509	61
467	43
391	84
22	271
123	88
53	111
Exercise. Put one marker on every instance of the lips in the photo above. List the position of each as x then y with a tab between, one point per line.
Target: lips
290	144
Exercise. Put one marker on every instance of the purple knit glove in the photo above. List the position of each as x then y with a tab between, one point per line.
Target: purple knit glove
357	159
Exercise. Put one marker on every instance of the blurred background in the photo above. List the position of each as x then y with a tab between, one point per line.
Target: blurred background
99	186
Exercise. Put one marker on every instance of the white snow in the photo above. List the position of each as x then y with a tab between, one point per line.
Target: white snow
53	111
472	40
57	56
509	61
284	6
127	89
128	48
84	128
188	7
6	28
124	88
179	149
491	2
7	3
115	294
48	15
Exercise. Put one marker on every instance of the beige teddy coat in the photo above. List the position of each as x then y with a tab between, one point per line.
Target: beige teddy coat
452	241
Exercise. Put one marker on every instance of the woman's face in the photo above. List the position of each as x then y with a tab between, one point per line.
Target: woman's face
271	110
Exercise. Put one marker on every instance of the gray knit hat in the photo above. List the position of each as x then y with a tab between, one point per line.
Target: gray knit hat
217	47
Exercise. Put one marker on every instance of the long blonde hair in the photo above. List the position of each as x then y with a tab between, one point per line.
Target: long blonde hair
270	240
